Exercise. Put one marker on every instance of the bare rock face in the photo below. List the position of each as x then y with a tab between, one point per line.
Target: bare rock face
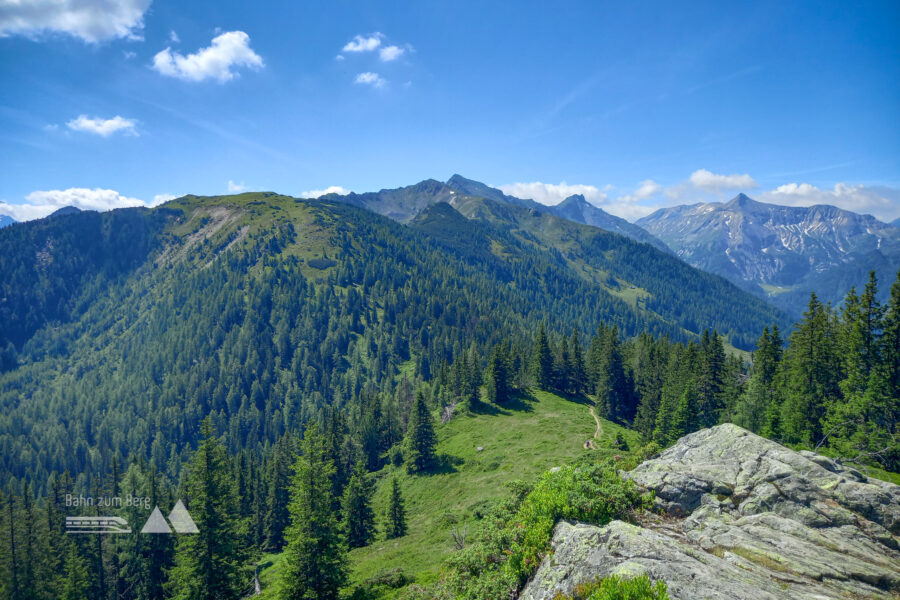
744	517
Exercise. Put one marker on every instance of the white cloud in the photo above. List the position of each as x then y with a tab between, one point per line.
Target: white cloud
333	189
880	201
217	61
373	79
628	206
646	189
90	20
361	43
236	188
162	199
339	57
390	53
42	203
128	54
173	37
707	180
551	193
103	127
703	186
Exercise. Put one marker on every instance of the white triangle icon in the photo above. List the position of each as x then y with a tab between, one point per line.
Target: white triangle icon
156	523
181	519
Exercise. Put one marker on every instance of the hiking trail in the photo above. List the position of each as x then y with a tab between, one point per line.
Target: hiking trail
589	444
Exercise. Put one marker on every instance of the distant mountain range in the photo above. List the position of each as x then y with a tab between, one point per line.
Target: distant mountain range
403	204
781	252
6	220
65	210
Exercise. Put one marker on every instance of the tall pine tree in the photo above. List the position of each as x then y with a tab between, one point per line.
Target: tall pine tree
359	519
811	375
541	367
315	558
210	565
395	519
420	438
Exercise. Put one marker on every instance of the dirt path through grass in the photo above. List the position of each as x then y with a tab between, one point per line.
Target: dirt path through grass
589	445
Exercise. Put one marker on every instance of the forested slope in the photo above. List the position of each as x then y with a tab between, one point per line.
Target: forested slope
315	380
265	312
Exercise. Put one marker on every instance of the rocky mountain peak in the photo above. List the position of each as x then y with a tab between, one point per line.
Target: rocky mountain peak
742	517
743	201
574	199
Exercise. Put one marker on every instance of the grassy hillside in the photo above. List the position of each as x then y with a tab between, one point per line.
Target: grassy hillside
519	442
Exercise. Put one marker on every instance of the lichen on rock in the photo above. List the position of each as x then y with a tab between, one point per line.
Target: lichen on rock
742	517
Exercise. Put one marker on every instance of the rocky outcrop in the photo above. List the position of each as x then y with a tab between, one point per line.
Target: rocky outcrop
742	517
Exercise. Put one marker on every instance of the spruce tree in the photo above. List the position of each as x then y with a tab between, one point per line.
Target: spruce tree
890	347
315	557
577	375
359	519
710	380
678	404
29	535
542	361
685	420
561	365
613	390
395	519
420	437
811	375
650	358
498	376
754	407
277	516
860	334
209	564
76	581
13	550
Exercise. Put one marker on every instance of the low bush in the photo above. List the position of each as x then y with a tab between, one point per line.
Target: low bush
515	537
619	588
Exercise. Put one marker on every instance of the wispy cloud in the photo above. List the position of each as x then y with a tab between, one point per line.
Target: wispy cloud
552	193
236	188
389	53
705	186
364	43
333	189
368	78
219	61
880	201
103	127
706	180
41	203
92	21
162	199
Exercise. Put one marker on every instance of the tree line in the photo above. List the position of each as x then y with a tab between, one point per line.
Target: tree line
833	384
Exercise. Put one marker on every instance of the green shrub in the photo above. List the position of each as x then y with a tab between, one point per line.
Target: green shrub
515	537
619	588
389	578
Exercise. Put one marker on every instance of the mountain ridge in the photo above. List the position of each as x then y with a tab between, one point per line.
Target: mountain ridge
404	203
780	252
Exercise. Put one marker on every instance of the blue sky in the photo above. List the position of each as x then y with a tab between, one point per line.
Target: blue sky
109	103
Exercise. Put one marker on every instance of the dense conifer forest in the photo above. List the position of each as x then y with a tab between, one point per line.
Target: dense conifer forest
275	362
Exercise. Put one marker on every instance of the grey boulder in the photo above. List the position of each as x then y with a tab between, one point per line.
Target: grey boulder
741	517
